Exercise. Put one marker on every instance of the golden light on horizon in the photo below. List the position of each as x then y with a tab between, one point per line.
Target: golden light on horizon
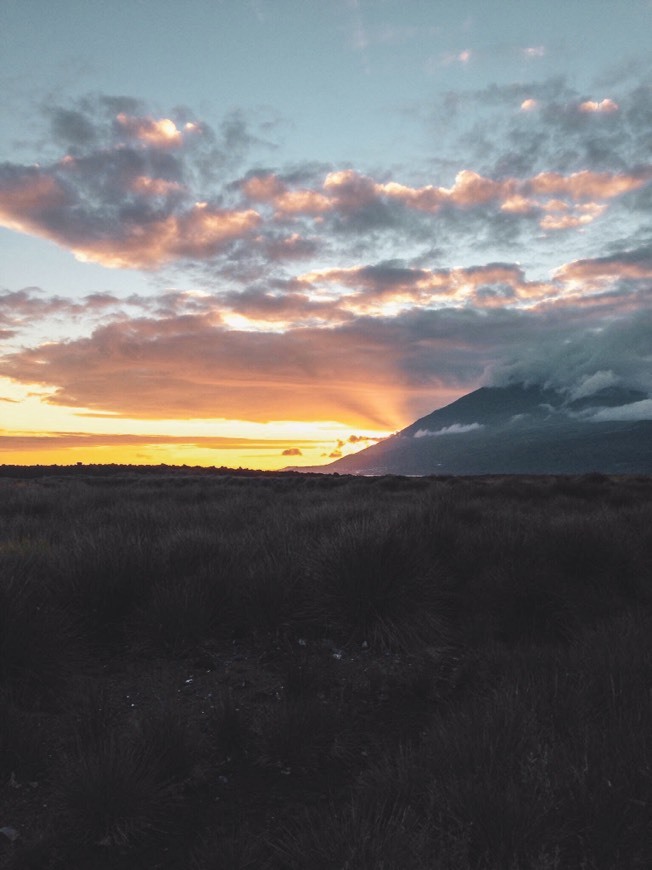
33	432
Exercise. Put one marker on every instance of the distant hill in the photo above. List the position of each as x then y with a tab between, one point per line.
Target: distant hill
517	429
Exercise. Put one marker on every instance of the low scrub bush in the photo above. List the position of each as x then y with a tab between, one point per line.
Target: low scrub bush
373	582
117	793
23	750
39	644
368	833
183	613
230	732
305	735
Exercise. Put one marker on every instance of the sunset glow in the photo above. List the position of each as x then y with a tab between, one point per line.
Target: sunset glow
271	263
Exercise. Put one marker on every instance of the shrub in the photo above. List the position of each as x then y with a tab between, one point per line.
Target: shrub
367	834
239	849
117	793
183	613
229	731
272	594
39	648
372	582
304	734
530	606
23	754
172	739
102	573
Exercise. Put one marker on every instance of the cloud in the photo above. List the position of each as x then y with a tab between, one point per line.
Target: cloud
635	264
21	309
138	189
605	105
462	57
634	411
27	441
381	370
591	384
389	287
348	194
533	51
157	132
361	439
567	133
453	429
292	451
604	348
133	189
132	233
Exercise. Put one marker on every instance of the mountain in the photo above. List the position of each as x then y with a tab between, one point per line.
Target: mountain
517	429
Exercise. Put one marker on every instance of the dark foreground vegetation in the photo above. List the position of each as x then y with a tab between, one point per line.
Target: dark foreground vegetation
219	672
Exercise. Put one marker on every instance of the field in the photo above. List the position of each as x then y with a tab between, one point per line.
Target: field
215	671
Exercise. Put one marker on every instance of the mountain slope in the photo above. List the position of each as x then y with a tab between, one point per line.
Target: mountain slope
515	430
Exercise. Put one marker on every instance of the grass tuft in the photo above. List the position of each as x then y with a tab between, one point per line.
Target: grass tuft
117	793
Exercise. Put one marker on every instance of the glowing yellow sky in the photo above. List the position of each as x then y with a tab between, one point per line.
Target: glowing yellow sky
33	432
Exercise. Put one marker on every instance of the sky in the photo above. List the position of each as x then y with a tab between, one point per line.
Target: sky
263	233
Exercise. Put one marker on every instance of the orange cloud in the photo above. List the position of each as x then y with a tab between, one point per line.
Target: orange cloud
429	198
24	198
161	133
308	202
270	189
519	204
384	288
185	367
154	186
529	105
347	191
350	190
586	184
584	214
263	188
469	189
10	441
605	269
199	233
606	106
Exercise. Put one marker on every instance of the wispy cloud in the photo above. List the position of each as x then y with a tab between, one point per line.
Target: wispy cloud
453	429
533	51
